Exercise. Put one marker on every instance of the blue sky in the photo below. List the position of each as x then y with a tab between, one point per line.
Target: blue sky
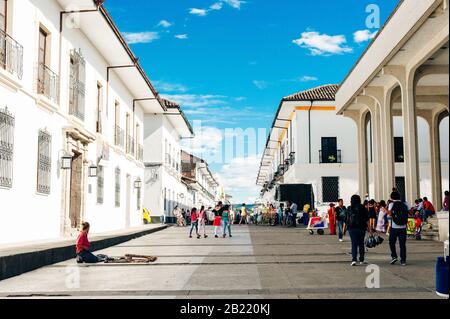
229	62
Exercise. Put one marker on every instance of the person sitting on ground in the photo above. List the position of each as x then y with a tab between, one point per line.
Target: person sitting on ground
428	209
83	246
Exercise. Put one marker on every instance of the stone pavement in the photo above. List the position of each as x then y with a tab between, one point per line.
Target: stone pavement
258	262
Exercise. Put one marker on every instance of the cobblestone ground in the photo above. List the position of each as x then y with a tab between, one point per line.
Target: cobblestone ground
258	262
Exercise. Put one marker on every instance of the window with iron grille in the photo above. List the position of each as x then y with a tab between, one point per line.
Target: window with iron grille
7	122
44	162
117	188
100	184
77	87
330	189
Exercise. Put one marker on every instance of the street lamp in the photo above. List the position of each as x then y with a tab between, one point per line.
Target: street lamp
93	171
66	161
138	183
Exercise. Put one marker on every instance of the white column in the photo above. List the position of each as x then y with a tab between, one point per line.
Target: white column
405	78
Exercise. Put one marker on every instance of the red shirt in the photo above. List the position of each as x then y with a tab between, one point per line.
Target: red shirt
429	206
82	241
194	217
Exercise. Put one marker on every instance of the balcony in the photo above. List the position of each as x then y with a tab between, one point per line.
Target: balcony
76	98
11	55
330	157
47	83
140	152
130	145
119	136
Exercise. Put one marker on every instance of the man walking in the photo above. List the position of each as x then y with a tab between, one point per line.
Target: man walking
243	215
398	210
340	219
294	210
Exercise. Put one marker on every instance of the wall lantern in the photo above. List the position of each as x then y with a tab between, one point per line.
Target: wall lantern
66	162
138	184
93	171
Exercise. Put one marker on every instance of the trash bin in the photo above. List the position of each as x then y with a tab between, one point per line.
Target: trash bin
442	277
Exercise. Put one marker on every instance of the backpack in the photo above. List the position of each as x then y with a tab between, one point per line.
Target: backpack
400	214
354	220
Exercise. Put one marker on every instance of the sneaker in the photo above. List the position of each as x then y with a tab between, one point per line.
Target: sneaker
354	264
394	261
190	236
231	236
198	236
79	260
362	263
216	236
404	264
206	236
341	240
224	236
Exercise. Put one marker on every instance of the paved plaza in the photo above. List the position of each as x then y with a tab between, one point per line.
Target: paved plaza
258	262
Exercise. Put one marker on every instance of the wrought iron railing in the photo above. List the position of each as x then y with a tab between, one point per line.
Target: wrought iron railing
7	122
44	162
130	145
140	152
119	136
47	83
330	157
76	99
11	55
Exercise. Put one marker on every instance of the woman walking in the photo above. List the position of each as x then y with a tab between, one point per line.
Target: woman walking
226	222
194	223
202	221
382	218
357	222
372	214
332	219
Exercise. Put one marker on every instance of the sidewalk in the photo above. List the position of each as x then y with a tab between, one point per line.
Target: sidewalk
18	259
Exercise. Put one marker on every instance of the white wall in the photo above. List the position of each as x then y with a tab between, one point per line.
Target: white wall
25	215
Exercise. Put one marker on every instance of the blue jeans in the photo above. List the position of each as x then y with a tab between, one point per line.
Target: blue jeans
88	257
358	236
399	234
340	225
226	225
194	225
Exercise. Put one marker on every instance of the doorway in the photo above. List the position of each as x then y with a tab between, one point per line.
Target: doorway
329	150
76	179
128	202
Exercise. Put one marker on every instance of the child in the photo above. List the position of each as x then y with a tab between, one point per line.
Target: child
194	223
83	246
417	226
217	219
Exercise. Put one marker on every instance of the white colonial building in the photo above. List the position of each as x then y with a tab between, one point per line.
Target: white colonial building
199	178
72	103
310	144
401	85
164	188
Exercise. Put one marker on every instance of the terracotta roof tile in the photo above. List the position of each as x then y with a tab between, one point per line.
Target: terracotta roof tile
321	93
170	104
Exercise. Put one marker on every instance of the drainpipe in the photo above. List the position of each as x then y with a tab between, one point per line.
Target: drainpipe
309	131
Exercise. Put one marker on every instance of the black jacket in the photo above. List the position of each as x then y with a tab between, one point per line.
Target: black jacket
357	217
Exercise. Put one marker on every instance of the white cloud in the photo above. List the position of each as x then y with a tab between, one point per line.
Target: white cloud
307	78
261	84
216	6
164	24
198	12
207	142
197	100
238	178
182	36
363	36
323	44
170	87
140	37
234	3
